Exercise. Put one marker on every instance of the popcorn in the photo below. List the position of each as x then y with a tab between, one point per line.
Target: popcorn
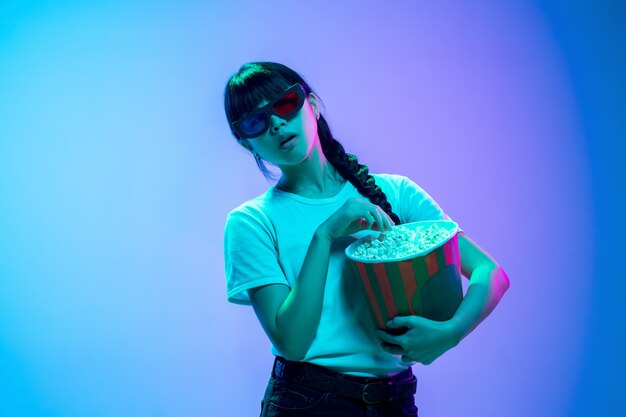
414	269
400	242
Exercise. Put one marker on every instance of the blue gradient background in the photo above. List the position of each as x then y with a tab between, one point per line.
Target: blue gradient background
117	170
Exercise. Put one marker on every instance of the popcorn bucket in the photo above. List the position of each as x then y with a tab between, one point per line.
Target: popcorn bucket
426	283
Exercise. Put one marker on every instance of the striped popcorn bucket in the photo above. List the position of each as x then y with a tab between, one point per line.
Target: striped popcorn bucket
426	283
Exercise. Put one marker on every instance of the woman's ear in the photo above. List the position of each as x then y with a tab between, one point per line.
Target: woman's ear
314	105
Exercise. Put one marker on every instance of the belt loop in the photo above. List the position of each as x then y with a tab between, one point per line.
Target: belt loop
279	368
338	381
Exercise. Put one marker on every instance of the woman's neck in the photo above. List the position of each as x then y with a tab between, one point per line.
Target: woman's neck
320	179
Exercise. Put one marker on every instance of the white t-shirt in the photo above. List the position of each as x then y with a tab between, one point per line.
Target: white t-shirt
266	240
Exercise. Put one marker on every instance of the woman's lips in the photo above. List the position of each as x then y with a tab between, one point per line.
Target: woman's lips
287	142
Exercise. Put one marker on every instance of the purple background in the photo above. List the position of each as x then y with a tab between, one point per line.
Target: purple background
117	170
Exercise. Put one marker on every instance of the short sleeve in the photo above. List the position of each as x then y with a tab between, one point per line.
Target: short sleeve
415	204
250	255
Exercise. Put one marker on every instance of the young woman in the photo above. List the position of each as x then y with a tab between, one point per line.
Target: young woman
284	255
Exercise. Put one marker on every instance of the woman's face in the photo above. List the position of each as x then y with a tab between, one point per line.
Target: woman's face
303	126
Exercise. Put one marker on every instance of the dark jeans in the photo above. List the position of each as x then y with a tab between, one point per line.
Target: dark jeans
294	390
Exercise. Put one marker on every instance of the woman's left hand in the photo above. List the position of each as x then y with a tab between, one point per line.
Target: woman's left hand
424	341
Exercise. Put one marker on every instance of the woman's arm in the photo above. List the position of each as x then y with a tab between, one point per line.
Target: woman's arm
487	284
290	317
425	339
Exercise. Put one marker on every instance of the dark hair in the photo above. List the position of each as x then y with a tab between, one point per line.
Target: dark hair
259	81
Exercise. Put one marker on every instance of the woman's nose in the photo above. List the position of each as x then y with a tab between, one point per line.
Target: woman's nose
276	122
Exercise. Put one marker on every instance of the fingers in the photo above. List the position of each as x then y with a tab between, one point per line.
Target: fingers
396	340
374	217
405	321
426	360
391	348
367	221
383	221
380	225
399	321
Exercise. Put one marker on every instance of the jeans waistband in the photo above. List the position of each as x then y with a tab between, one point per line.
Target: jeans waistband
368	389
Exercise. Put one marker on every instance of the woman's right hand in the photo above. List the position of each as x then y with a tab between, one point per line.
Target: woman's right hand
356	214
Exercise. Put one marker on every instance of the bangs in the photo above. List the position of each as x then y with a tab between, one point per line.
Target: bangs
245	93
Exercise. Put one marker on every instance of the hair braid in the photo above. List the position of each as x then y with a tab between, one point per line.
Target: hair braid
349	167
